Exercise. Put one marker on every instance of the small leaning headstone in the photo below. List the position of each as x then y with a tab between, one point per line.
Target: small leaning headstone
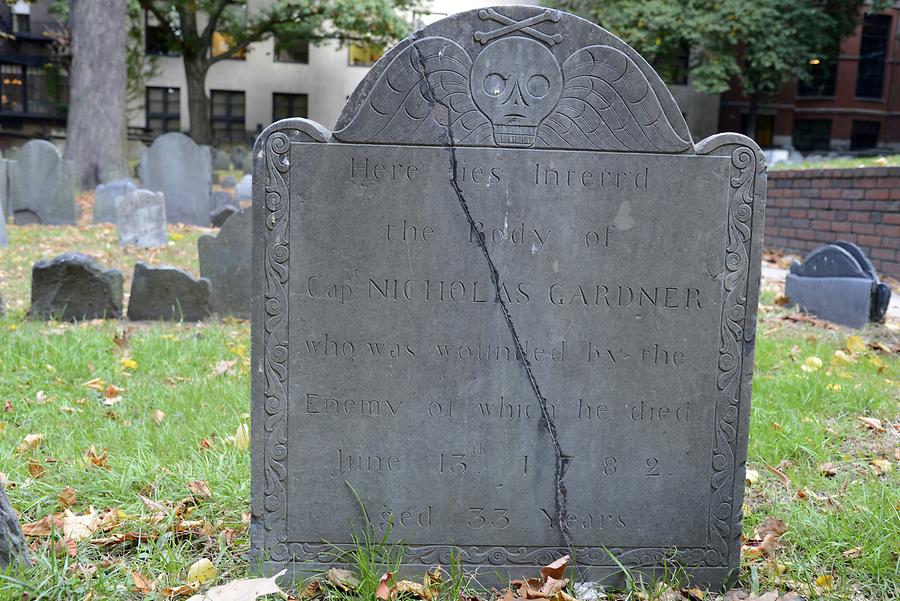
105	196
73	287
141	217
221	215
837	282
167	293
43	189
225	261
13	549
182	171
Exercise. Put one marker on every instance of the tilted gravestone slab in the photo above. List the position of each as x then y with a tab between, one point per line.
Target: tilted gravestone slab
42	187
167	293
105	196
12	544
508	307
225	260
73	287
220	216
141	216
181	170
838	282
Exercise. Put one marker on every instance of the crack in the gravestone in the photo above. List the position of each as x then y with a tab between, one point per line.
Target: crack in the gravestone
562	460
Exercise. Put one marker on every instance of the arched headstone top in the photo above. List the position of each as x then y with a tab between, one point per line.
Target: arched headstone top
515	76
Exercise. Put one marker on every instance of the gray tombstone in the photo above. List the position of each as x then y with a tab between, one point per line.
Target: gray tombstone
221	159
42	186
13	549
167	293
141	216
244	188
73	287
222	214
225	262
220	199
105	196
182	171
508	307
4	237
837	282
228	181
5	200
239	157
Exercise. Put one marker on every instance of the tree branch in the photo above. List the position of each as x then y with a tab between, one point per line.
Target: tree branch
206	36
162	18
258	33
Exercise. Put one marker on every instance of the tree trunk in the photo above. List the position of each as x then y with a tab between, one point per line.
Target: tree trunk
96	128
195	69
752	115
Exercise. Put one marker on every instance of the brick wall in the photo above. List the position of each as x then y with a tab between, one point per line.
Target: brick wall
807	208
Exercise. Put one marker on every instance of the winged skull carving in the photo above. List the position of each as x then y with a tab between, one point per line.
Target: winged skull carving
598	99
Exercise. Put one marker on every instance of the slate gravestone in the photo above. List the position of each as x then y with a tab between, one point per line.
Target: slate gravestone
5	209
182	171
225	261
167	293
105	196
220	216
141	216
837	282
220	199
508	306
73	287
12	544
42	186
221	159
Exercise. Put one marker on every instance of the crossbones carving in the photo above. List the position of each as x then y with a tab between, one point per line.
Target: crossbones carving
512	26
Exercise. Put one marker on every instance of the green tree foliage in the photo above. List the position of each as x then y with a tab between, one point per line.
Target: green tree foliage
189	29
759	44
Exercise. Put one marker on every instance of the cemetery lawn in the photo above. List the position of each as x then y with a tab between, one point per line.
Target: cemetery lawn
113	421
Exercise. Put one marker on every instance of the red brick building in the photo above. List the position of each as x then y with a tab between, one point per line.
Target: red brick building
851	103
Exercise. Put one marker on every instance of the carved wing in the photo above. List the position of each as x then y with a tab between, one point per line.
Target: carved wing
608	104
424	89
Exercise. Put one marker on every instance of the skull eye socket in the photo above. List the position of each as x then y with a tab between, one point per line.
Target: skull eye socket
494	84
538	86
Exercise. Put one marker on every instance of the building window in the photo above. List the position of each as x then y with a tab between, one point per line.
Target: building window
38	90
812	134
364	55
872	50
156	41
864	135
227	116
292	51
821	77
163	109
289	105
21	23
222	43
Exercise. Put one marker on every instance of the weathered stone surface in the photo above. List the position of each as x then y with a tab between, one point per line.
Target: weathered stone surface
5	200
141	216
42	188
507	306
12	543
228	182
838	282
105	197
225	261
167	293
239	157
220	199
220	216
244	188
73	287
221	159
182	171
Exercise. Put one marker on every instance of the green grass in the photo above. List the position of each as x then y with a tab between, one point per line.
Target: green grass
884	161
799	421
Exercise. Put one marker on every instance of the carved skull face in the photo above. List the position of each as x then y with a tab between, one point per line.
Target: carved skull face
516	99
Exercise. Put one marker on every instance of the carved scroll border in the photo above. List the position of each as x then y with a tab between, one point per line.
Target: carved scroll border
732	389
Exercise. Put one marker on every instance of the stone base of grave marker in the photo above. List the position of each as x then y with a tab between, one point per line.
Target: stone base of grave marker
73	287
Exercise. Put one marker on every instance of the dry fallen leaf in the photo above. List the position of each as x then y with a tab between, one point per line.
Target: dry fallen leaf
842	357
181	591
95	459
408	587
30	442
80	527
855	344
36	469
785	481
242	437
825	582
555	569
242	590
345	580
752	477
202	570
112	391
828	470
383	591
158	417
881	466
871	423
66	497
811	364
853	553
200	488
142	584
224	367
